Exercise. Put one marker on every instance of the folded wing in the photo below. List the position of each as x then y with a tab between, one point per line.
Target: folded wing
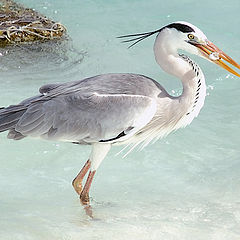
87	117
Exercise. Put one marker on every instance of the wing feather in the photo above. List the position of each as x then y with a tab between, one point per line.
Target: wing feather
87	117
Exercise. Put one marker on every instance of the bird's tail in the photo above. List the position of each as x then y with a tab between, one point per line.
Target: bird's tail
9	117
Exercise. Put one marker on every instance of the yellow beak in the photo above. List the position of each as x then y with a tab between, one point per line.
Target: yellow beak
214	54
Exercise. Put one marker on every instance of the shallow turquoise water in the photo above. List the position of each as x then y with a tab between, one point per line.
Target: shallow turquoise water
184	187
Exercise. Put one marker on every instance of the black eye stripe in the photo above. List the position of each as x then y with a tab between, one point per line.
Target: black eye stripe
181	27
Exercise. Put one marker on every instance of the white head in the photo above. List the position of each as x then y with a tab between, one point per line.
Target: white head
180	35
185	36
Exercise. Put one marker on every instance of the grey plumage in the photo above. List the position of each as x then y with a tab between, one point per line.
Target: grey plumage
79	112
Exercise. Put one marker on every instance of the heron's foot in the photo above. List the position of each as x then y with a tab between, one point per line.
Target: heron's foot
77	186
84	198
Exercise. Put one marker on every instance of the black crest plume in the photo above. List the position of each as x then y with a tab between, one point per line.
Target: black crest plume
136	38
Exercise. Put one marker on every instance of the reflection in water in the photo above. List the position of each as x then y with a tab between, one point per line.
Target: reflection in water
89	211
57	57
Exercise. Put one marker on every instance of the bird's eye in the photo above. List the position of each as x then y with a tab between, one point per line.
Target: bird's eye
190	36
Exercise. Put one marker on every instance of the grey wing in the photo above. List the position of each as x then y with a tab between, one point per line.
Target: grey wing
132	84
87	117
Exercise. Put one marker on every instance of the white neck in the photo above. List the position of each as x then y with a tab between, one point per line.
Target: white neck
166	55
194	87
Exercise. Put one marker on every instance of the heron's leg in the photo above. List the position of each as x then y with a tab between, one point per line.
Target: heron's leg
77	181
84	197
98	153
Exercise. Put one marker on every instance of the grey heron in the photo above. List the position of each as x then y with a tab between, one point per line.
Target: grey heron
111	109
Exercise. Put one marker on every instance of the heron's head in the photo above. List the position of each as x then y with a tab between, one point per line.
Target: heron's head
185	36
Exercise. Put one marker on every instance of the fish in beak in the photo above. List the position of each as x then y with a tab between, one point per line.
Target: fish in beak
215	55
